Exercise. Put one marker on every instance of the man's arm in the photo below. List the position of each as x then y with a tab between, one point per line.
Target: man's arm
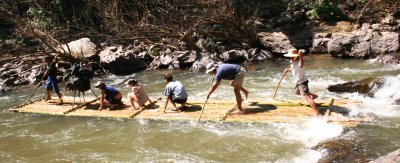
166	103
212	89
102	99
301	58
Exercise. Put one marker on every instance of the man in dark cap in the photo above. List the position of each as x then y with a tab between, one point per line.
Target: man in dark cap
51	82
109	95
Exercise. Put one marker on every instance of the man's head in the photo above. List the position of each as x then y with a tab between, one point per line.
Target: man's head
47	59
100	85
131	82
168	77
211	68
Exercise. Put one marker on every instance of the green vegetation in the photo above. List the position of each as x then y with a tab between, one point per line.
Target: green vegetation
325	10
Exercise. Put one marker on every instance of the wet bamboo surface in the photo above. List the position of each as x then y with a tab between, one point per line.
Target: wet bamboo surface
278	111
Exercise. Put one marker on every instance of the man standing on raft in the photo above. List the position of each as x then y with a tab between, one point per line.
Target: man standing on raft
232	72
51	82
300	79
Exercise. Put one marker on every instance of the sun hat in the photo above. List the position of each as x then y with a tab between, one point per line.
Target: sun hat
291	53
210	67
99	83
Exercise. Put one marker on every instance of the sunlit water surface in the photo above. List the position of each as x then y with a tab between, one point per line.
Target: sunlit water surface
38	138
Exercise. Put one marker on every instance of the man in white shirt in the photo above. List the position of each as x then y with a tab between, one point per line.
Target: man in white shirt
300	79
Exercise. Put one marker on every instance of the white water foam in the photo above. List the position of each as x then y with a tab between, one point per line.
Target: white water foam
381	103
312	131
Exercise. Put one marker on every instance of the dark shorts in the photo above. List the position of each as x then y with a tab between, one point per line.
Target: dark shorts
113	100
52	84
302	89
179	101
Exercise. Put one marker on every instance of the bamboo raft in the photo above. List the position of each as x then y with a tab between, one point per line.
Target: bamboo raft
277	111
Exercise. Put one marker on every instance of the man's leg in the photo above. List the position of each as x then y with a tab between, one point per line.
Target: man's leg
312	104
246	93
236	89
48	92
132	100
238	81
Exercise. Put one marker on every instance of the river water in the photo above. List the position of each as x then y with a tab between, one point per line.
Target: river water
39	138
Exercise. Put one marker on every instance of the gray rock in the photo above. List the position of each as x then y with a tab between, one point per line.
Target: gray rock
21	82
165	60
8	65
200	65
232	56
276	42
119	61
389	20
359	44
388	59
320	45
9	81
82	48
186	58
364	86
390	158
262	56
365	26
396	102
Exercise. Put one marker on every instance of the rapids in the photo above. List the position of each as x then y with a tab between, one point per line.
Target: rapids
38	138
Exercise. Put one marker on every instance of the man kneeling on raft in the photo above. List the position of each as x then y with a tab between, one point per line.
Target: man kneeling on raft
138	96
175	93
109	95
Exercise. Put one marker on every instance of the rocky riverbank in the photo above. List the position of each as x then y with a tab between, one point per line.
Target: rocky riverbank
280	28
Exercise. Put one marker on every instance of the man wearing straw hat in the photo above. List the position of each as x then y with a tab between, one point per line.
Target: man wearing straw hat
232	72
299	78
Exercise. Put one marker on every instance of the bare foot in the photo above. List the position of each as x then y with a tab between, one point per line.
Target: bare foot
239	112
60	103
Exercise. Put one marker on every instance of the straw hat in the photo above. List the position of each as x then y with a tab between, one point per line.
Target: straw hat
99	83
210	67
291	53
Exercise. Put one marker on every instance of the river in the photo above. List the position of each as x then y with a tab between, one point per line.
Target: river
44	138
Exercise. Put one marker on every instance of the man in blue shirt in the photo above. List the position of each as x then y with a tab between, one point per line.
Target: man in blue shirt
109	95
231	72
175	93
51	82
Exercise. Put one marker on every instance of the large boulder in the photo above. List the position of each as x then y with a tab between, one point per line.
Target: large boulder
201	63
364	86
120	61
391	157
82	48
185	59
263	55
275	42
365	43
232	56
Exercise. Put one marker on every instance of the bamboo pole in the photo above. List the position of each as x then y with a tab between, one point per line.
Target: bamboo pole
204	105
283	75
